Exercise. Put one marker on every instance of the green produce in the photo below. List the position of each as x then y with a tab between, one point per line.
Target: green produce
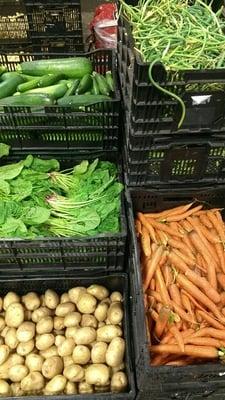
8	87
29	77
109	80
37	200
95	88
102	84
2	69
54	91
28	99
72	87
48	80
74	67
82	100
24	87
85	84
9	75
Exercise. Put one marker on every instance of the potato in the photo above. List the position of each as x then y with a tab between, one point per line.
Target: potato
45	325
11	339
115	352
81	354
64	298
25	332
59	339
34	362
63	309
118	382
25	348
108	332
115	313
120	367
1	304
14	315
72	319
102	389
106	301
31	301
58	323
85	335
4	353
84	387
101	324
56	384
5	389
101	312
98	291
43	342
52	351
10	298
116	296
33	381
13	359
86	303
2	323
4	331
97	374
16	389
1	341
18	372
66	348
68	360
42	300
70	388
52	366
75	293
51	299
74	373
40	313
98	352
89	320
71	331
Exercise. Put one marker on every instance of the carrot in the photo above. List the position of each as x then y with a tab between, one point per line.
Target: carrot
182	314
211	332
222	298
154	315
217	222
148	226
171	211
220	253
186	225
212	238
163	238
204	341
176	227
179	363
175	294
156	295
221	280
183	216
181	246
205	221
173	329
189	244
166	338
191	262
163	259
145	242
152	284
152	265
162	321
138	227
163	227
162	287
215	324
196	304
187	304
167	274
189	350
177	261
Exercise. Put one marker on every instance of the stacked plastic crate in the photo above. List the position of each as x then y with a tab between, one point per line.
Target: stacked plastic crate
166	166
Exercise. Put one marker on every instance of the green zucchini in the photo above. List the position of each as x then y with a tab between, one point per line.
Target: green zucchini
54	91
2	69
23	87
95	88
49	79
102	84
109	80
30	99
9	75
85	84
29	77
72	88
8	87
71	67
82	100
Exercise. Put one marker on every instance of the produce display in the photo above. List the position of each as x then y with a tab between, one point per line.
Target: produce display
39	200
71	344
183	270
63	81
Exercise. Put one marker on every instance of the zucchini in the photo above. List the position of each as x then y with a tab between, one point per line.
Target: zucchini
50	79
54	91
72	88
85	84
29	77
95	88
8	87
9	75
30	99
109	80
71	67
82	100
102	84
24	87
2	69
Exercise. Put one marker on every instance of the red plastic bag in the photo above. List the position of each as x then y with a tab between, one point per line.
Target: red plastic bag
104	26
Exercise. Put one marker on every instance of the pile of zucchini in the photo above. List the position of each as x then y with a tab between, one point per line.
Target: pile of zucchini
63	81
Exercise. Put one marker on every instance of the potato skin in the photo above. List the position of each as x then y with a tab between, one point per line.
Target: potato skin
116	296
4	353
71	388
45	325
97	374
43	342
101	312
25	331
11	339
75	293
115	352
58	323
81	354
5	389
14	315
64	298
74	373
51	299
52	366
31	301
84	387
72	319
118	382
98	291
66	347
25	348
115	313
18	372
40	313
63	309
50	352
86	303
2	323
108	332
16	389
31	381
34	362
56	384
89	320
10	297
98	353
85	335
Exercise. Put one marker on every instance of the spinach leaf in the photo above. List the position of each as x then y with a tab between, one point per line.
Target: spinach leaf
81	168
21	189
11	171
13	228
36	216
4	187
4	150
45	165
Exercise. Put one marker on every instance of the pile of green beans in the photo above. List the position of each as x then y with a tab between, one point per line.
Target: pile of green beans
180	34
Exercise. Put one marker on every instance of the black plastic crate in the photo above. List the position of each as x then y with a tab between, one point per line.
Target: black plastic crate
151	111
13	25
62	127
161	383
60	285
104	252
174	160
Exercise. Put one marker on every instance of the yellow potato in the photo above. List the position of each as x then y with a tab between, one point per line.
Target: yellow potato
108	332
75	293
59	323
85	335
4	331
14	315
98	291
16	389
84	387
115	352
5	389
119	382
102	389
66	347
68	360
74	373
42	300
63	309
116	296
98	352
34	362
101	312
1	341
18	372
59	339
25	332
101	324
10	298
4	353
81	354
31	301
45	325
115	313
2	323
72	319
52	366
56	385
71	331
52	351
13	359
25	348
120	367
86	303
1	304
51	299
43	342
33	381
64	298
40	313
89	320
71	388
97	374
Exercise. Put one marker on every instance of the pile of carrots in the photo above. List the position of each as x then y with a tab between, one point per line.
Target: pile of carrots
183	270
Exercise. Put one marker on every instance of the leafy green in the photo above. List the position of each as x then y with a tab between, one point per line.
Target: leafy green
4	150
11	171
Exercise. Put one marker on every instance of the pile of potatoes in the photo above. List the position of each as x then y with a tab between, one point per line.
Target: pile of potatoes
69	344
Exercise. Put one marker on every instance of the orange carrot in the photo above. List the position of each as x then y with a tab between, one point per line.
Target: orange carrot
171	211
148	226
162	287
192	299
145	242
205	221
215	324
163	238
173	329
163	227
212	238
190	350
217	222
204	341
187	305
138	227
163	258
191	262
221	280
167	274
154	315
220	253
183	216
162	321
152	284
211	332
152	265
156	295
189	244
222	298
181	246
175	294
182	314
186	225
